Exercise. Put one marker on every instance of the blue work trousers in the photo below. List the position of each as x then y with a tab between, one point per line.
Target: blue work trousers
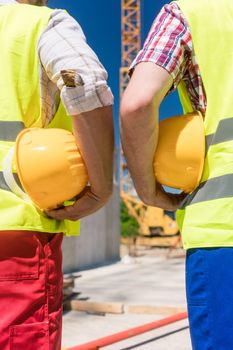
209	289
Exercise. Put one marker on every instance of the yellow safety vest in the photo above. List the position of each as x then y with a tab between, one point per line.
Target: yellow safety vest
206	216
20	28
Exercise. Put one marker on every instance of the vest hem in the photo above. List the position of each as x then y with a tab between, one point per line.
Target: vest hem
212	245
36	229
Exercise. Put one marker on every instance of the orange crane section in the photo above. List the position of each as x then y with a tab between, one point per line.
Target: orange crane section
130	37
130	45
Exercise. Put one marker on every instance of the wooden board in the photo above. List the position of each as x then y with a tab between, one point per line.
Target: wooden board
68	282
95	307
163	241
151	309
156	241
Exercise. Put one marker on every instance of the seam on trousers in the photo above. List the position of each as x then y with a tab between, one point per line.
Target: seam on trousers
208	306
198	302
46	289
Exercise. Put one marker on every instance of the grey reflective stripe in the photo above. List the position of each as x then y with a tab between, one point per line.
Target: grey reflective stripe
223	133
216	188
10	130
3	184
219	187
208	142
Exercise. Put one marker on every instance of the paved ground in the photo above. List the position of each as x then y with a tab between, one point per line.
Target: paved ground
151	280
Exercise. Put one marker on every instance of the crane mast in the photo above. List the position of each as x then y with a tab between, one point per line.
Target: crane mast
130	45
130	36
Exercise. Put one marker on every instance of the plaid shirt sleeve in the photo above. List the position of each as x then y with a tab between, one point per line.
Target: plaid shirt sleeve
68	64
168	43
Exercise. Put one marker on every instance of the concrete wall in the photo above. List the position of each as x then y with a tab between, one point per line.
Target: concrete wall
99	241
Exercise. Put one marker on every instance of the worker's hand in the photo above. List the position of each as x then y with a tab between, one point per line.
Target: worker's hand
86	203
166	200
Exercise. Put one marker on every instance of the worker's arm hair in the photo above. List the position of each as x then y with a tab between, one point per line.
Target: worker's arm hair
94	135
139	129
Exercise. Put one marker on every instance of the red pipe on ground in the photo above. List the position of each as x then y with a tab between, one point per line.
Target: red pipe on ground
132	332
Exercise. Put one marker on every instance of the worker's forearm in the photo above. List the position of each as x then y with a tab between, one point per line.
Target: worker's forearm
139	125
139	134
95	137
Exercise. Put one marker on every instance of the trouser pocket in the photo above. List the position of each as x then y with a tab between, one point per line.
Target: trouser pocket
31	336
19	256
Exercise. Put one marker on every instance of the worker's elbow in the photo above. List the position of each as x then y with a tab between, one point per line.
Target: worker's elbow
146	199
132	106
107	192
146	194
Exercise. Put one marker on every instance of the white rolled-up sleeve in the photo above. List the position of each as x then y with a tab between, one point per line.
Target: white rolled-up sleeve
73	66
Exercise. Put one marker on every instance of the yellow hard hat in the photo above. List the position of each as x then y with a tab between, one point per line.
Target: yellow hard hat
180	153
49	165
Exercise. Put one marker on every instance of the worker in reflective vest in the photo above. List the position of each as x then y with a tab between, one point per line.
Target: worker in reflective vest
46	63
190	46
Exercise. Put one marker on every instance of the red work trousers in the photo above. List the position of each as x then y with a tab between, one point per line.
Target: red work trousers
30	290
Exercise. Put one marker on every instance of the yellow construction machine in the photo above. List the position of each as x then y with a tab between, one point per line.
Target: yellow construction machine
156	228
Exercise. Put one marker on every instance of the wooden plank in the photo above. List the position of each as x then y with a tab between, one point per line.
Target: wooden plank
68	282
151	309
156	241
95	307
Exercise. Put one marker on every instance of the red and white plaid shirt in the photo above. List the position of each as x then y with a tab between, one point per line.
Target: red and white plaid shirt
169	45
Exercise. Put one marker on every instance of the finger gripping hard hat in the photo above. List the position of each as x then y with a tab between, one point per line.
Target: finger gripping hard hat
180	153
49	165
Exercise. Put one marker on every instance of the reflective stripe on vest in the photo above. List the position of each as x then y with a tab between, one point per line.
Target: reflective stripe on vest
221	186
10	129
3	184
218	187
223	133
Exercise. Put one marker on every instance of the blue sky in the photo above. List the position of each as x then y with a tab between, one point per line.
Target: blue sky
100	20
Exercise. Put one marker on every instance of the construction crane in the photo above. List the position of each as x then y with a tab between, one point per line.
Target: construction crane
130	45
152	221
130	36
